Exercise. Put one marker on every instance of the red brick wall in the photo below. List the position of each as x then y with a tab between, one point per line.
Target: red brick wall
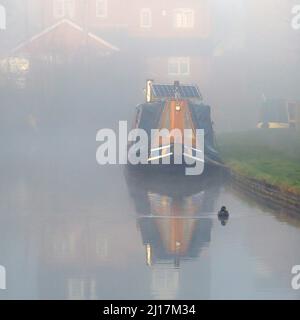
163	18
126	14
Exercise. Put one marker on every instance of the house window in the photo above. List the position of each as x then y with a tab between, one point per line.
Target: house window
179	66
184	18
101	8
146	18
58	8
63	8
70	8
2	18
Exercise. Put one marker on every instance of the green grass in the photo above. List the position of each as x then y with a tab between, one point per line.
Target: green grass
272	156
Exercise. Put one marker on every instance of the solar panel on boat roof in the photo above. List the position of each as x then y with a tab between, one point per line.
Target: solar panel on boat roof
185	91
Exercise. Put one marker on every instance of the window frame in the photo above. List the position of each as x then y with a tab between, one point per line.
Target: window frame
183	12
68	8
56	10
179	61
149	12
105	10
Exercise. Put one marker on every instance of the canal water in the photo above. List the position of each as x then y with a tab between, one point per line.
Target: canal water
71	229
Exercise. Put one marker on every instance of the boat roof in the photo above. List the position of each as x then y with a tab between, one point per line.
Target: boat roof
169	91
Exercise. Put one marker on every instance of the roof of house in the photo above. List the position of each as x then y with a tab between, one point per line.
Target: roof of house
64	36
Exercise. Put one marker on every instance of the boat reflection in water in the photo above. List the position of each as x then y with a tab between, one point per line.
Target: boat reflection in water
175	216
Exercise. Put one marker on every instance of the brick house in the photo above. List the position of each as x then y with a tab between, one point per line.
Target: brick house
171	39
158	19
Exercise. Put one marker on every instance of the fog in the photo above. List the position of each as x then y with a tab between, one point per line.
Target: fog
250	50
65	221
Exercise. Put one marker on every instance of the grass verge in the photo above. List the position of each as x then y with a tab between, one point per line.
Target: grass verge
271	156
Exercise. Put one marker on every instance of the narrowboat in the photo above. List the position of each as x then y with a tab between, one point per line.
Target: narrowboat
279	114
177	107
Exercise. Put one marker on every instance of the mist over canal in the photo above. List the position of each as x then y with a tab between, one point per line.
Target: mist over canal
73	229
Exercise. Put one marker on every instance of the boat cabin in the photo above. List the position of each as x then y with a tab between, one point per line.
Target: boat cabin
176	107
279	114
